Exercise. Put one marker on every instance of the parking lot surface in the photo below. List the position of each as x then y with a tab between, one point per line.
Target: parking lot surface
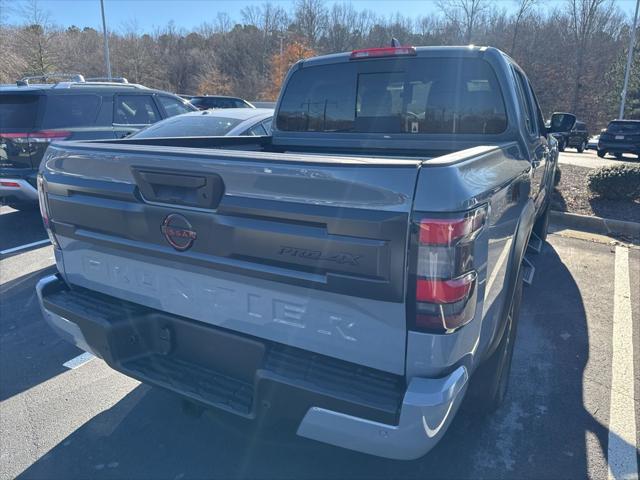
572	400
590	159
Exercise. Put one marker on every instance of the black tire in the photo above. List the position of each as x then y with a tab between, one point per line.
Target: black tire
561	145
490	381
601	153
581	148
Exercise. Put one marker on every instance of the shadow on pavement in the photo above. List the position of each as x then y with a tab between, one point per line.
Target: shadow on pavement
20	228
540	432
30	352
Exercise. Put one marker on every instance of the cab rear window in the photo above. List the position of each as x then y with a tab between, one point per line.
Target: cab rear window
418	95
18	111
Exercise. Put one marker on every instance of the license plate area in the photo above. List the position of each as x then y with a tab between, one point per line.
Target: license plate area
619	137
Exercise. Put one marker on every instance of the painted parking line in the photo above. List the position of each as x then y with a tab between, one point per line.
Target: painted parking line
622	418
23	247
78	361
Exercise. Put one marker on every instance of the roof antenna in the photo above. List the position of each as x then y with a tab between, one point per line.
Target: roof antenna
395	42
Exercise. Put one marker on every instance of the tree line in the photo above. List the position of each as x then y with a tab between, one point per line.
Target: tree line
573	53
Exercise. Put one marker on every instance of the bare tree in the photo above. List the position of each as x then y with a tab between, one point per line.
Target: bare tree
36	39
466	13
586	18
310	19
524	8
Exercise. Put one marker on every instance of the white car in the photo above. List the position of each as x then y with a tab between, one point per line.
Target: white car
213	123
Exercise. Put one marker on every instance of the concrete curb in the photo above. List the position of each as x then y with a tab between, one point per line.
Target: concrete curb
605	226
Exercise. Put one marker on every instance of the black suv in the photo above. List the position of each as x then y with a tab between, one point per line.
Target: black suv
620	137
569	132
205	102
33	115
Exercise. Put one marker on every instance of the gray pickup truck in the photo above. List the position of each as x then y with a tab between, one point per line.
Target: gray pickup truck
358	272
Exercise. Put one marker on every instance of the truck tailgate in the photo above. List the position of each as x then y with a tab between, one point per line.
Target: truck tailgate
303	250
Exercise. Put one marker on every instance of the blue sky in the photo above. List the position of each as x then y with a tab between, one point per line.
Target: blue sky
191	13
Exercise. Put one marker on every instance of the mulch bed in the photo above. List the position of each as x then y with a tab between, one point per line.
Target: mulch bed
572	195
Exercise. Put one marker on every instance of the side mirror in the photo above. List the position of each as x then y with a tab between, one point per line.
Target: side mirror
562	122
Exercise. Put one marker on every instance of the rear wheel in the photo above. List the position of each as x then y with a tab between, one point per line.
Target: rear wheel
561	145
582	147
489	383
601	153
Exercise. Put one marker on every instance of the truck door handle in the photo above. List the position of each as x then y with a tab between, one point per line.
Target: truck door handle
185	188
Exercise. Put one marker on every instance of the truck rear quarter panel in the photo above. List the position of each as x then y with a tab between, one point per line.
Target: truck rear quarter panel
497	176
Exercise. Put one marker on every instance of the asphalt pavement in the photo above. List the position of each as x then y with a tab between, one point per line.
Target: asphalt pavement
573	397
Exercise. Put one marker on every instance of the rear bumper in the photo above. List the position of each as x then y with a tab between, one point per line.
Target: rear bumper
334	401
616	147
17	189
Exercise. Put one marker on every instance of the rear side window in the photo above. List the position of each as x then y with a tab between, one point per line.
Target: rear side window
420	95
624	127
65	111
173	106
18	111
135	110
525	98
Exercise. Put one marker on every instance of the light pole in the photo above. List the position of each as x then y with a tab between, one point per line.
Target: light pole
107	62
632	41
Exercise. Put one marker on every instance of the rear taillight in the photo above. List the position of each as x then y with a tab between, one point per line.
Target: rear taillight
442	293
5	183
44	209
40	136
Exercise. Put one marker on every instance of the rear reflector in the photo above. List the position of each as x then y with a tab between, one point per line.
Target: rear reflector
10	184
382	52
444	291
14	135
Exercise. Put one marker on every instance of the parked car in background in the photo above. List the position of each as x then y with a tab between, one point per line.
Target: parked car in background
358	271
592	143
620	137
261	104
212	123
569	132
32	115
205	102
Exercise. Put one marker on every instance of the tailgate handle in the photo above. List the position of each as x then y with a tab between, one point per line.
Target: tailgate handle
180	187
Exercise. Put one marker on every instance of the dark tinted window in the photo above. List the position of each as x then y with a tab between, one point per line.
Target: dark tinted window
135	110
173	106
256	130
438	95
217	102
580	126
71	111
267	125
525	98
624	127
18	111
190	126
